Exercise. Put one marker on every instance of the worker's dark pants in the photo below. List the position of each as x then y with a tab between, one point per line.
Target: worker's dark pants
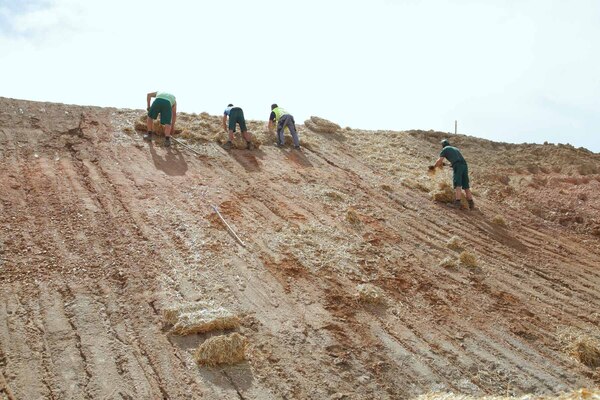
287	121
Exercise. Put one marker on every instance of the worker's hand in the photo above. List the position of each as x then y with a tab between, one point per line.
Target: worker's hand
431	167
148	109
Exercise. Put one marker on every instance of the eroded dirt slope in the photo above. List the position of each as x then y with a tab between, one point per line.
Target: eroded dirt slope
99	230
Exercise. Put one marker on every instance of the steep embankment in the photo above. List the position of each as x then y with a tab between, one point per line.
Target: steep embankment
99	231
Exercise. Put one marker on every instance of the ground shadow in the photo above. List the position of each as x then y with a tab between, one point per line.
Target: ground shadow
247	159
172	164
499	233
299	158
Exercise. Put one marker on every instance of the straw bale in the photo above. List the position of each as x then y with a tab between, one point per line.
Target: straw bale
468	259
322	125
444	193
582	346
368	293
455	243
448	262
499	220
172	312
222	349
581	394
197	317
205	320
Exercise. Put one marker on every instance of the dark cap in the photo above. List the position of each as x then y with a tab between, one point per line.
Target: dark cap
229	105
274	106
445	143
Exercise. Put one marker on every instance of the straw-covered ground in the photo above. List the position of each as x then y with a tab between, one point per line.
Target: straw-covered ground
355	280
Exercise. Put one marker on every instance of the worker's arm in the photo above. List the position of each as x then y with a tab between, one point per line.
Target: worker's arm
439	163
225	122
149	97
271	125
174	112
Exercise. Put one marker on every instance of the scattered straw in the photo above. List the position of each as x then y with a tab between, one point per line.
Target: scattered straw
199	317
499	220
580	345
352	216
581	394
468	259
455	243
368	293
223	349
448	262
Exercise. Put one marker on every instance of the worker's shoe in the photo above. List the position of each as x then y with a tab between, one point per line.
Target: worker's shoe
148	136
249	146
471	204
228	145
297	147
168	141
457	204
280	145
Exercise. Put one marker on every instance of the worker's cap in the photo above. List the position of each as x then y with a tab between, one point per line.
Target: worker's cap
274	106
445	143
229	105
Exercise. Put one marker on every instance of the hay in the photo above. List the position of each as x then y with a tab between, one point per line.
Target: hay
580	345
368	293
199	317
171	313
581	394
223	349
448	262
352	216
455	243
444	193
499	220
468	259
321	125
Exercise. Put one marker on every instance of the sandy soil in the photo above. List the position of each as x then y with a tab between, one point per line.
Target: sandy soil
100	230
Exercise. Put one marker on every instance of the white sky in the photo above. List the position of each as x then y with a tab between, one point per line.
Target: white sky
507	70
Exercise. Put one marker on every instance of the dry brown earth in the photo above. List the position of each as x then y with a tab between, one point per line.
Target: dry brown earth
100	230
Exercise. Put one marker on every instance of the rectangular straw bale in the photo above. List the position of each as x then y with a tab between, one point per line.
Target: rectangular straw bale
222	349
172	312
205	320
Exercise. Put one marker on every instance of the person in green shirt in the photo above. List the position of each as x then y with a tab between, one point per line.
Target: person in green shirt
460	176
165	105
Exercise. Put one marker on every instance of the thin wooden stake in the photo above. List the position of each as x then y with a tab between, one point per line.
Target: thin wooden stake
186	146
228	227
455	126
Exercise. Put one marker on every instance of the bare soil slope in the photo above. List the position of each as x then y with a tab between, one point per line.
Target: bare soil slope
99	231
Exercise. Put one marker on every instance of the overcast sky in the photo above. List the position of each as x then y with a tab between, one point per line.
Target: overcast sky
507	70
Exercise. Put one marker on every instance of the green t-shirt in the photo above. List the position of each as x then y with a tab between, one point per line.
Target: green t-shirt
452	154
166	96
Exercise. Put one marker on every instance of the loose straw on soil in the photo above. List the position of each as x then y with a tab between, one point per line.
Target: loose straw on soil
581	394
448	262
223	349
580	345
368	293
454	243
468	259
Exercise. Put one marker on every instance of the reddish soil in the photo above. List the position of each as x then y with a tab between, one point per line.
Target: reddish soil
99	230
